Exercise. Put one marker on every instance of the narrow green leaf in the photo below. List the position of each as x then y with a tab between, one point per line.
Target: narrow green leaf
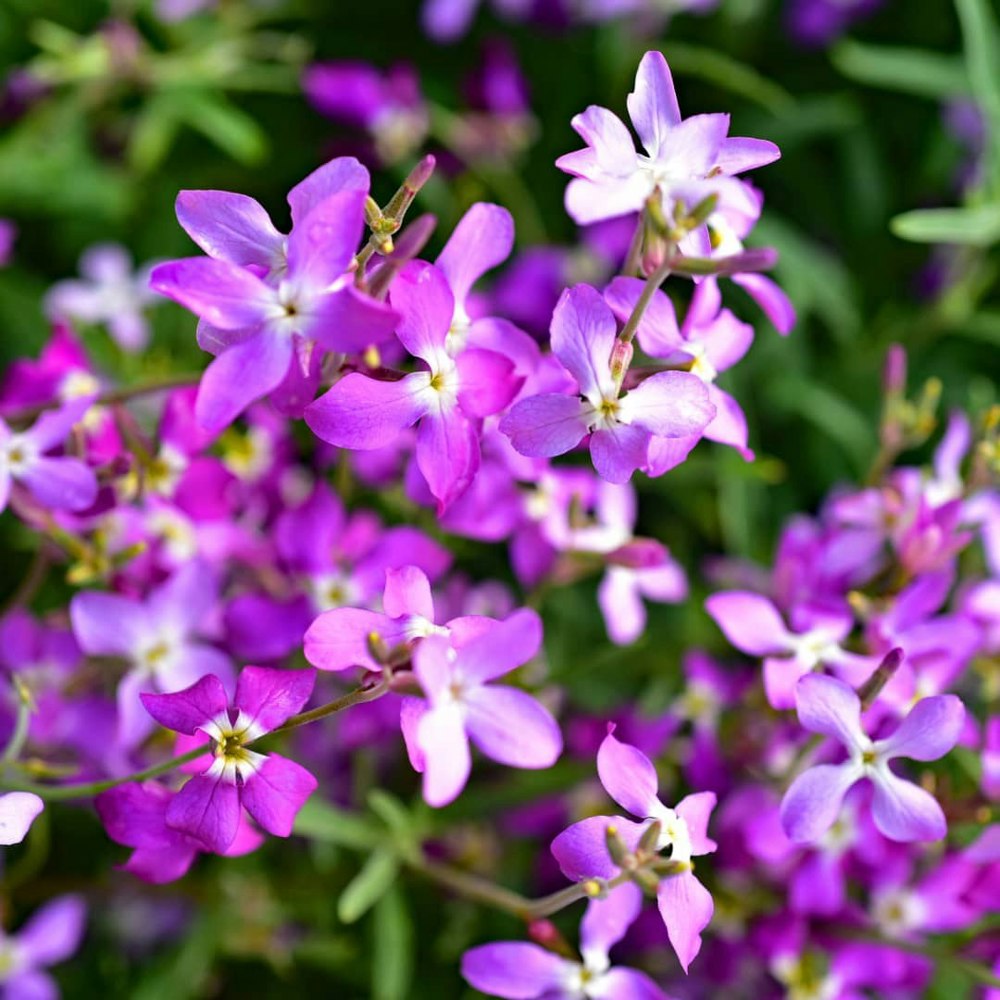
981	37
224	124
390	810
392	949
318	820
910	71
977	225
368	886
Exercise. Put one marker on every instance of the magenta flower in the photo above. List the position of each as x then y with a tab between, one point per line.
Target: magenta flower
18	810
155	636
902	811
8	234
51	936
136	816
506	724
629	777
665	405
685	161
754	626
61	483
268	300
270	787
447	400
523	971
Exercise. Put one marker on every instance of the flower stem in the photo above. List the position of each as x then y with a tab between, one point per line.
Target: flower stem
122	395
84	790
651	287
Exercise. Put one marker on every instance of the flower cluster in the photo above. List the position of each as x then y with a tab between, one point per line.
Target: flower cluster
369	420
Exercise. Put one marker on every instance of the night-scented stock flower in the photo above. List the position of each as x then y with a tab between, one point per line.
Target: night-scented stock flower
61	482
50	936
902	810
587	849
506	724
447	400
621	426
520	970
685	161
270	787
265	329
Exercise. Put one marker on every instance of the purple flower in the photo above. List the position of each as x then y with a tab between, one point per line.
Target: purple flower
155	636
8	234
49	937
630	779
665	405
268	300
902	811
270	787
136	816
506	724
754	625
18	810
388	105
448	400
686	160
61	483
339	639
523	971
111	292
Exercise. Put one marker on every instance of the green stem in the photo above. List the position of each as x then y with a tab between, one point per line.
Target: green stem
16	743
84	790
651	287
123	395
481	890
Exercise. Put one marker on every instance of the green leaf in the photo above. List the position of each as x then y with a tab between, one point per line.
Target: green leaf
368	886
730	74
318	820
976	226
392	948
224	124
910	71
981	37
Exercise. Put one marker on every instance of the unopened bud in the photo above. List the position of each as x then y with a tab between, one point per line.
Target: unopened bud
546	934
621	358
894	371
378	649
650	839
617	848
872	687
373	214
701	211
646	880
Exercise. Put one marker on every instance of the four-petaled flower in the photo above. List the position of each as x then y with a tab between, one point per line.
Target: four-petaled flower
902	811
270	787
629	777
621	427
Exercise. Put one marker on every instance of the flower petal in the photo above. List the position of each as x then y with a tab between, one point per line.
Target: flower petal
276	791
546	425
812	803
448	455
226	295
606	921
230	227
930	730
207	809
583	334
686	907
447	761
343	173
516	970
270	697
750	622
61	483
652	106
903	811
628	776
829	706
511	727
482	240
407	592
18	811
695	810
619	451
668	404
365	413
53	933
186	711
581	849
321	245
506	645
338	639
486	382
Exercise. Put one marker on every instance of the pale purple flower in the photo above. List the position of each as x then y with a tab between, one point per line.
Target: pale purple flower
621	427
685	161
62	483
506	724
901	810
8	234
111	292
524	971
18	810
339	638
754	625
447	400
155	636
270	787
51	936
267	300
629	777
